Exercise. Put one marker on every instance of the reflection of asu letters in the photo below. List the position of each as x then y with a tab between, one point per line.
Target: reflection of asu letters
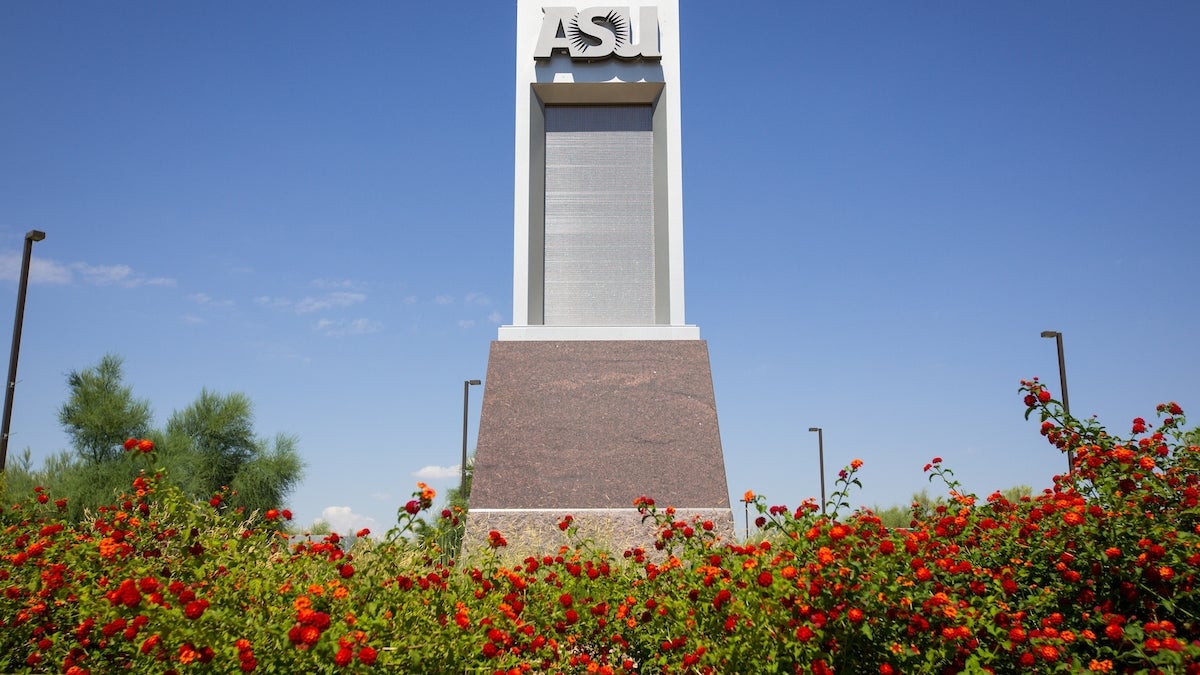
597	33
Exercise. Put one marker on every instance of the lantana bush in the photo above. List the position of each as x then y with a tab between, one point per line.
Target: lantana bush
1096	573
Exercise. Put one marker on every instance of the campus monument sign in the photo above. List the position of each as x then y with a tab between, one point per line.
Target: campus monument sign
599	392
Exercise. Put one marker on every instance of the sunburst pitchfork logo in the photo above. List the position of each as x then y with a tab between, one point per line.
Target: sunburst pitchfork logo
596	33
614	22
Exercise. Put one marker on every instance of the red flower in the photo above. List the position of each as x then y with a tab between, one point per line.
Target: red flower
804	633
150	643
287	514
131	443
413	507
343	658
765	579
271	514
195	609
363	532
367	655
855	615
126	594
722	597
1043	396
346	571
145	445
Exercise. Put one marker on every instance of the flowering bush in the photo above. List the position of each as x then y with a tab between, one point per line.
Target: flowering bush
1098	573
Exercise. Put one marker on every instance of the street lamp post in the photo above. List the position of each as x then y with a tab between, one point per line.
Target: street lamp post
821	457
1062	379
30	237
462	472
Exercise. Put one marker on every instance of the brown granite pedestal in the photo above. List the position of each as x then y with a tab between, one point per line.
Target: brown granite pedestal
585	428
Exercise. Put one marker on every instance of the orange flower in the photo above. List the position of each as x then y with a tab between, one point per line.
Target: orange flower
856	463
187	654
427	493
749	496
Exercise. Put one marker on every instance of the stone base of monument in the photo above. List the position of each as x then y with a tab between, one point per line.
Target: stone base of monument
531	532
586	427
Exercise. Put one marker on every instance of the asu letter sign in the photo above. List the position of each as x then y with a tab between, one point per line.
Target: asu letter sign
596	33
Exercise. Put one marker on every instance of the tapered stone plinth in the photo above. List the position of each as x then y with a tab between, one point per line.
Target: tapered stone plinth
586	427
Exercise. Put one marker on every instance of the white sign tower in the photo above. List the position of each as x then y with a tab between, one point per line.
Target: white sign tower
598	392
599	189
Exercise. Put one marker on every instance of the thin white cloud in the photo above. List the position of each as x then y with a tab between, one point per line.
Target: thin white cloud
477	299
364	326
313	304
466	323
335	299
117	275
495	317
333	284
41	271
336	327
444	299
435	472
410	299
381	496
343	520
46	271
277	303
191	319
103	275
207	300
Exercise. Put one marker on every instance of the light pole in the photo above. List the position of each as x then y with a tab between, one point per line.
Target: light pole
1062	379
462	472
30	237
821	456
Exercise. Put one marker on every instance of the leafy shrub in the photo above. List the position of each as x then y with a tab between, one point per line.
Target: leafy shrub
1097	573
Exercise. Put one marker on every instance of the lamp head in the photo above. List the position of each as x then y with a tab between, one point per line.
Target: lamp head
814	428
1050	333
474	382
35	235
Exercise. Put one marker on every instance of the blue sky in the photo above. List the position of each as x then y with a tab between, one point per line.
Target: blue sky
884	205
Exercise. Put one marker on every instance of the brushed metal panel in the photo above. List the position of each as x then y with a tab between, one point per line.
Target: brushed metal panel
599	216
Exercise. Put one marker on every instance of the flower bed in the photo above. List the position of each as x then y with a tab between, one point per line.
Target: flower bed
1097	573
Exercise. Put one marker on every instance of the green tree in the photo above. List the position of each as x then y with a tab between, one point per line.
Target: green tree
101	411
206	447
219	431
